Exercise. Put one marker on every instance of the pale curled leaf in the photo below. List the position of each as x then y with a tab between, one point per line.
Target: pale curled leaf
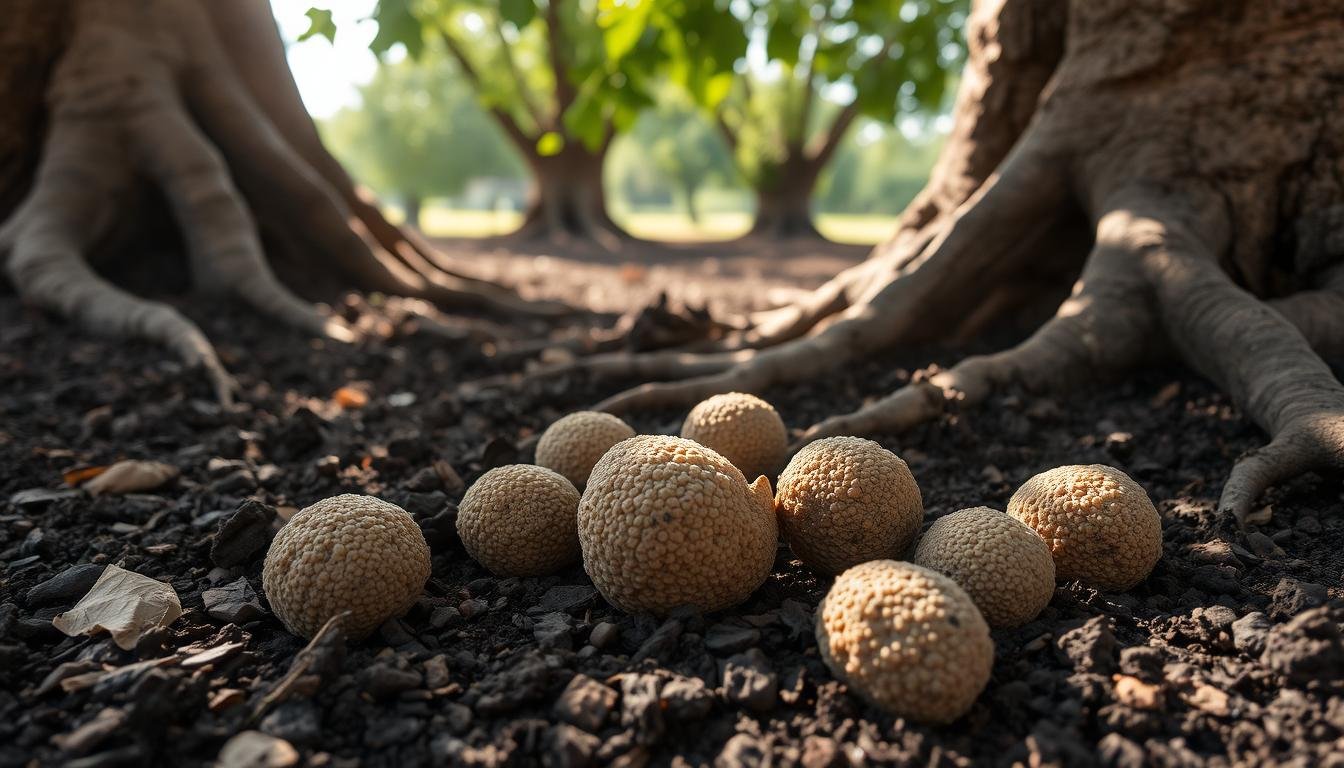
131	477
123	603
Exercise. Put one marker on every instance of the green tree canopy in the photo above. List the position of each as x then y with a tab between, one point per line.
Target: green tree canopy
419	133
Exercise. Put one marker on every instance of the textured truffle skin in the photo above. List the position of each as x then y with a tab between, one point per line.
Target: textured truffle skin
1100	525
845	500
666	522
520	520
574	443
346	553
905	638
742	428
1002	564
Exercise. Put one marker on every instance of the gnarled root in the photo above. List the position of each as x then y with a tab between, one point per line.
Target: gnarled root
145	90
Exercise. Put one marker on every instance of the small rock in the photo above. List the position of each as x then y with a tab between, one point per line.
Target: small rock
1143	661
254	749
234	603
459	717
1091	647
821	752
1291	597
603	634
565	597
1308	649
743	749
661	643
383	681
749	681
444	616
552	630
641	709
688	699
1263	546
726	639
235	483
384	732
67	586
297	721
569	747
244	536
585	702
1249	633
436	672
472	608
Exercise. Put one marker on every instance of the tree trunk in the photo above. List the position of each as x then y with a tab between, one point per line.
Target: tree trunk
413	204
688	191
569	201
1184	159
784	209
193	97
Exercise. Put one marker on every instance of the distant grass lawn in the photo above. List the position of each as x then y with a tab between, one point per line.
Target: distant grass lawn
668	227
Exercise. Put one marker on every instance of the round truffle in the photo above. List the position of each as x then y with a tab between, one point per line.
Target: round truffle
743	429
346	553
520	520
1002	564
905	638
845	500
1100	525
666	522
572	445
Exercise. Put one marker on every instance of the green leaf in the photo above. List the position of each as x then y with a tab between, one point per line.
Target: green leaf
550	143
397	24
624	26
319	24
519	13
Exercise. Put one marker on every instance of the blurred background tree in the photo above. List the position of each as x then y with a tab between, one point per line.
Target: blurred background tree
668	118
419	133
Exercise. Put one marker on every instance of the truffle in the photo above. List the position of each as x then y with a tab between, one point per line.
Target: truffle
1002	564
905	638
742	428
666	522
574	443
346	553
846	500
520	520
1100	525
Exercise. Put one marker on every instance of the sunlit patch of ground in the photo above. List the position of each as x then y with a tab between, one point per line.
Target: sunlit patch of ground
662	226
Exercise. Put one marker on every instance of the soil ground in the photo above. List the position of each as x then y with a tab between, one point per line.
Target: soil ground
1229	654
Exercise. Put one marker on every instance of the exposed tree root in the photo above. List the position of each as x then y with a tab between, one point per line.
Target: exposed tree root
1215	208
146	91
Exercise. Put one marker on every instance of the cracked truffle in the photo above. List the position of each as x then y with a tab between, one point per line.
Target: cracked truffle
743	429
520	520
666	522
346	553
573	444
846	500
1100	525
905	638
1002	564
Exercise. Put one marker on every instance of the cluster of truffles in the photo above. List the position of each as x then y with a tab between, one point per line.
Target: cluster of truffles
664	522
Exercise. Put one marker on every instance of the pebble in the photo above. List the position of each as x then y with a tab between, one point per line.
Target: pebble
234	603
254	749
470	609
726	639
552	630
661	643
67	586
749	681
382	681
244	536
585	703
567	747
687	698
445	616
603	634
1249	633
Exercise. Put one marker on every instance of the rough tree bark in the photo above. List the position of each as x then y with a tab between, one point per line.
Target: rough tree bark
196	98
1182	159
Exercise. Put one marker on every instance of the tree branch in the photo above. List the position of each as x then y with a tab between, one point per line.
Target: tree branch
524	142
530	104
826	145
555	44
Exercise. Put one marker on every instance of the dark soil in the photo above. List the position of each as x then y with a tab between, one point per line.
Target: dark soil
1229	654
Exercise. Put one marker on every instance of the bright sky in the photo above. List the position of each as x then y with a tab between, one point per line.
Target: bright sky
327	74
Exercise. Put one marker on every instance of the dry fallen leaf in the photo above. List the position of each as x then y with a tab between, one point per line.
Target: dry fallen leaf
131	477
125	604
349	397
74	477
